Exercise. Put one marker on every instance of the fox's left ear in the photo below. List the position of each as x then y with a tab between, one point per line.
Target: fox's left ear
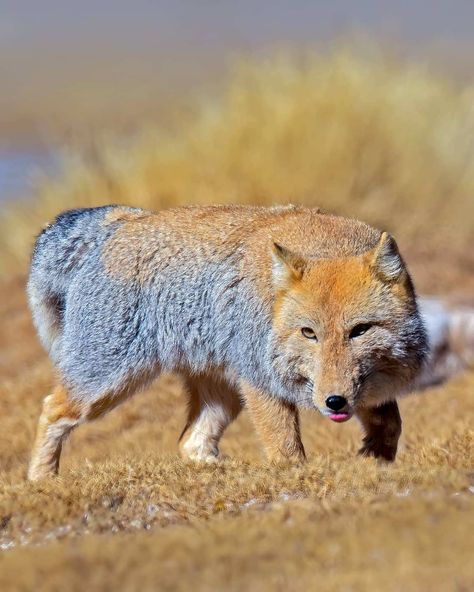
287	266
386	260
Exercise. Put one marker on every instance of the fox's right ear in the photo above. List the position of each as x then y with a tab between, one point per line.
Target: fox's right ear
287	266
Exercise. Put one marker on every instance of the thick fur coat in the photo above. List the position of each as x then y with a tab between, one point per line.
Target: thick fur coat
277	307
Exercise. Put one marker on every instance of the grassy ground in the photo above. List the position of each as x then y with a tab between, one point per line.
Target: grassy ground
126	513
385	142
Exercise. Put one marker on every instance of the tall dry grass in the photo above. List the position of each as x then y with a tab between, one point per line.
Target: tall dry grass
387	142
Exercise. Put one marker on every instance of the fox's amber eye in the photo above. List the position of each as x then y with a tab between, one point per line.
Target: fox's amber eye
309	333
359	330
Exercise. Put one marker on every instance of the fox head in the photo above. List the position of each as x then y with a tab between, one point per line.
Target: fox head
348	329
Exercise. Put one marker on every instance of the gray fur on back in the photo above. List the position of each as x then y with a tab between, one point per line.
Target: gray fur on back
106	334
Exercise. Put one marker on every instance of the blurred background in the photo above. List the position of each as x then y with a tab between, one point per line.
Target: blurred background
365	109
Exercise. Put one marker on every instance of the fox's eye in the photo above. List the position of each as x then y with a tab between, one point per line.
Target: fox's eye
359	330
309	333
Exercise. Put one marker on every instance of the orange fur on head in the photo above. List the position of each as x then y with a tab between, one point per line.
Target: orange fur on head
332	297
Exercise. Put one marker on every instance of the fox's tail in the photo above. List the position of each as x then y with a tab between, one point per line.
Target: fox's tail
450	328
47	314
59	252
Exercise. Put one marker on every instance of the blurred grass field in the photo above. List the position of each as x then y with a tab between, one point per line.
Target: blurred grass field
369	137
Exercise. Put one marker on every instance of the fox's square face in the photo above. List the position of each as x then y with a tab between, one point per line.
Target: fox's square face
348	329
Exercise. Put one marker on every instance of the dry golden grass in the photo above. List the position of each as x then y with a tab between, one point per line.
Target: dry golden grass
127	513
389	143
290	546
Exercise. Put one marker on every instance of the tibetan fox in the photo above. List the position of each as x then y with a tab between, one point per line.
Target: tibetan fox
271	308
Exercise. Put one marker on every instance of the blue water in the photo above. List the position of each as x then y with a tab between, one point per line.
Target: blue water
19	169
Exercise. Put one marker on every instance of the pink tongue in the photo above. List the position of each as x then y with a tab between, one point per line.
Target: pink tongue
339	416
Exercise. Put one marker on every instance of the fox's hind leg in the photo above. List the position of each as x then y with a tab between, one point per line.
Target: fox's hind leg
213	405
277	423
59	416
382	426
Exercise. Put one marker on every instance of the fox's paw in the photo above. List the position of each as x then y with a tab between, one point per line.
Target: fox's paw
38	472
379	449
200	457
202	452
294	455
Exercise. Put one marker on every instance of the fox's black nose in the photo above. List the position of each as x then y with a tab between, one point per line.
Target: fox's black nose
336	402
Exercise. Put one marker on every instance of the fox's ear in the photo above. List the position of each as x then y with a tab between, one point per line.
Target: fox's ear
287	266
385	259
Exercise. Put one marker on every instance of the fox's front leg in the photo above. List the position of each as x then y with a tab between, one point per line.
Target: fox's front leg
382	426
213	405
277	423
